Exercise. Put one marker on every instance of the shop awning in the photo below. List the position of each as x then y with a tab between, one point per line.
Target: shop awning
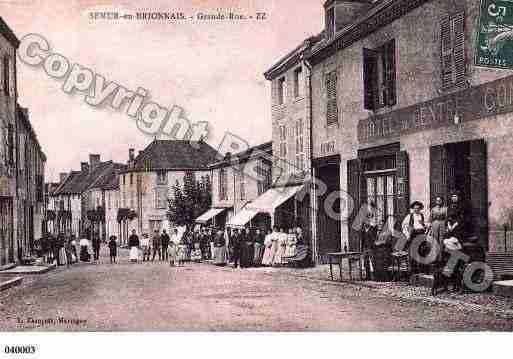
266	203
208	215
242	217
273	198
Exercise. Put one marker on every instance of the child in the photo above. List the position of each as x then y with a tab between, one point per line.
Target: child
196	253
112	249
182	253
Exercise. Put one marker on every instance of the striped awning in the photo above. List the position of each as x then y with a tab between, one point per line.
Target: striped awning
208	215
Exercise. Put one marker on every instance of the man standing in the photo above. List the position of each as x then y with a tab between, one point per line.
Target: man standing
96	246
157	243
236	247
164	240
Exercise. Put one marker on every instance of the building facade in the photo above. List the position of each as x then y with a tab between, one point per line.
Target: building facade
414	118
30	178
146	185
238	180
8	100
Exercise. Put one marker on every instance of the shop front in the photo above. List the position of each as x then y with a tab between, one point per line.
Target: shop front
215	216
462	142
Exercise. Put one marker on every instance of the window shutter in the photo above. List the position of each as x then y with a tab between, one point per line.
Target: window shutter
479	191
390	73
438	172
369	79
331	95
403	184
446	70
459	48
353	185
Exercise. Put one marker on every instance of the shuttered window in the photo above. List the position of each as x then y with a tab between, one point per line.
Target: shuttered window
452	51
331	98
10	144
281	91
223	185
5	67
160	198
379	76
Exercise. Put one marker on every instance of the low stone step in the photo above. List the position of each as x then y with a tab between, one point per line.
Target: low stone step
9	283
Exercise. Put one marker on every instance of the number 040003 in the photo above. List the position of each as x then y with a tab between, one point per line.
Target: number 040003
15	349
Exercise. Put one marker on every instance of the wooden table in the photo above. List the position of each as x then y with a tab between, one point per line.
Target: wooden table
351	257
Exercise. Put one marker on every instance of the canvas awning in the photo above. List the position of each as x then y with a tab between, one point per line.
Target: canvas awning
266	203
208	215
242	217
273	198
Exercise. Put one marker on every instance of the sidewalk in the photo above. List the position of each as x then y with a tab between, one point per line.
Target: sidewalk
488	303
29	270
9	281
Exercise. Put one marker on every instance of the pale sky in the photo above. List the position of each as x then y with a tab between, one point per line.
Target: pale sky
214	70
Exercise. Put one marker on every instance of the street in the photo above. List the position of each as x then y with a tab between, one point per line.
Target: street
157	297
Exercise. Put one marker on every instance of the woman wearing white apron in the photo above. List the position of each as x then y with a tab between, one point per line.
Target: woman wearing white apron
133	243
172	250
281	245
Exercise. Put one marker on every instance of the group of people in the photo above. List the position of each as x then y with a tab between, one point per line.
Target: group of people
444	228
244	247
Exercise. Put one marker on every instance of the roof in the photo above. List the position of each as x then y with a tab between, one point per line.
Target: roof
8	34
175	155
109	180
379	14
292	58
24	117
252	152
77	182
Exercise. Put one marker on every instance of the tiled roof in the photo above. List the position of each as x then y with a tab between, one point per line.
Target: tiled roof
8	33
109	179
171	154
266	147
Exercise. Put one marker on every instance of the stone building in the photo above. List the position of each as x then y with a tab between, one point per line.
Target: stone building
145	185
401	113
8	100
291	133
31	166
236	181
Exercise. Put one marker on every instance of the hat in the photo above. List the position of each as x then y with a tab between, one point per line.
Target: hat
416	203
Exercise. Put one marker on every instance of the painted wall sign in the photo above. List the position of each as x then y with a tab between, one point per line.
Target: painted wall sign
494	44
489	99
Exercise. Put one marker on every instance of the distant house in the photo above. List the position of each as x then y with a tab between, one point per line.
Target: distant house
237	180
145	185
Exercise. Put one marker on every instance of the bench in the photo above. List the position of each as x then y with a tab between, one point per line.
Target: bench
501	264
351	257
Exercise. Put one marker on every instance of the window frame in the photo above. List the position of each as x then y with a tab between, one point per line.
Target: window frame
379	76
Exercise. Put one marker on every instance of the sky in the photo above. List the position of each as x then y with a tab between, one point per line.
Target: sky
211	69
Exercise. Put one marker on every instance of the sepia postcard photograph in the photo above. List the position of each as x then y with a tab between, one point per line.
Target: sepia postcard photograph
255	167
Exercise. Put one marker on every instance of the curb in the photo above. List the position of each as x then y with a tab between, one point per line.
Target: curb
10	283
7	266
43	270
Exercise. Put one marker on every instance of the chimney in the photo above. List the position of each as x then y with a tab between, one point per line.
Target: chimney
94	161
340	13
84	167
62	176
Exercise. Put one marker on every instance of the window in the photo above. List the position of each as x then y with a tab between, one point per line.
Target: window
283	147
300	151
189	176
223	185
242	185
298	83
124	180
331	98
452	51
330	22
264	176
10	145
160	198
161	177
281	91
5	66
379	76
131	178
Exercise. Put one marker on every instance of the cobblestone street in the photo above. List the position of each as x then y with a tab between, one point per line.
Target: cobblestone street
154	296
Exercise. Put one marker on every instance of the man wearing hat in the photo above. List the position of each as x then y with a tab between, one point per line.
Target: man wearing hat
414	225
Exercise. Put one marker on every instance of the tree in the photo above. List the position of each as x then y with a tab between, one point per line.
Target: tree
190	200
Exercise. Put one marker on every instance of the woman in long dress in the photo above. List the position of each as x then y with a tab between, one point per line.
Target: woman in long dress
281	245
84	250
290	250
438	220
220	249
134	244
268	243
172	250
259	247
